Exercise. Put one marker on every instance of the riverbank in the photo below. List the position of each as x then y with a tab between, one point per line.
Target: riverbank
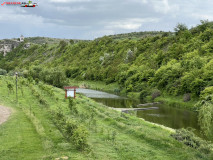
177	101
111	134
96	85
172	101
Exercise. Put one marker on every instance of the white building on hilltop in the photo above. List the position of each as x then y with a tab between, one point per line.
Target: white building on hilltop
22	38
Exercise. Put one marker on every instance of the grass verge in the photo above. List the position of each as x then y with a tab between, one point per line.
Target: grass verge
177	101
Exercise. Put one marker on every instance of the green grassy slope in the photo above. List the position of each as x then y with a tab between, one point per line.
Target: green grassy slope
34	131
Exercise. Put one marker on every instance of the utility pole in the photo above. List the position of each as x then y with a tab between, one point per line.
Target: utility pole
16	87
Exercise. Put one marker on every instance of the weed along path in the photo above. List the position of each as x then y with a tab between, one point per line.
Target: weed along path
4	114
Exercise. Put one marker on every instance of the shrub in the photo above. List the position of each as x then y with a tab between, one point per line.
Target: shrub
72	72
70	103
205	116
186	97
79	137
10	88
62	45
143	94
3	72
70	126
206	92
36	80
42	101
180	28
71	106
189	139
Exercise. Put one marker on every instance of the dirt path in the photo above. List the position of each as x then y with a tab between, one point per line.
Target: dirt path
4	114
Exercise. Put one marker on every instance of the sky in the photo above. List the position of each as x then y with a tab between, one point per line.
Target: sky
90	19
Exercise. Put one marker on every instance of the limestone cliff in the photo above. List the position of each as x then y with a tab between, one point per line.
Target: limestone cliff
7	45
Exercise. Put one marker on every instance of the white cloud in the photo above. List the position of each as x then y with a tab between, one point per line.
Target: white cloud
163	6
70	9
203	16
129	24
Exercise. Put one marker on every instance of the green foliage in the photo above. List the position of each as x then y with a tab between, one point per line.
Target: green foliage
54	77
72	41
79	137
72	106
167	76
10	87
189	139
206	114
143	94
206	92
72	72
3	72
62	45
180	28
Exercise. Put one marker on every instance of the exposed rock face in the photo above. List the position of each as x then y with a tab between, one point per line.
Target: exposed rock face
8	45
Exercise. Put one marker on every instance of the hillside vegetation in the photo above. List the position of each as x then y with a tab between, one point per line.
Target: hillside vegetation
43	40
46	126
179	64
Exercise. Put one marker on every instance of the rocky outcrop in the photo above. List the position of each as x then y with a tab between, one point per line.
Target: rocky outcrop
7	45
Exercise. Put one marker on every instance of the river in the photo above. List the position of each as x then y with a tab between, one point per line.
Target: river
168	116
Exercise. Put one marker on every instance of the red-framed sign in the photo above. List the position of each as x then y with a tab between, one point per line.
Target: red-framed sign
70	91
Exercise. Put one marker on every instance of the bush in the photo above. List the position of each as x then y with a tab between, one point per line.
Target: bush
205	116
189	139
79	137
70	126
186	97
180	28
62	45
71	106
42	101
206	92
143	94
3	72
72	72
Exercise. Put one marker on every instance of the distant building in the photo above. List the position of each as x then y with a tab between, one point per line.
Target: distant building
22	38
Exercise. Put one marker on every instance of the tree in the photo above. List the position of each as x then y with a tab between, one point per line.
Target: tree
72	41
62	45
180	28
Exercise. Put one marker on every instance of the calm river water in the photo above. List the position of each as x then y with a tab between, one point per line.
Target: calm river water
168	116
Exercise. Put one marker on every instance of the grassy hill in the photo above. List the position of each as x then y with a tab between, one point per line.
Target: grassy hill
46	126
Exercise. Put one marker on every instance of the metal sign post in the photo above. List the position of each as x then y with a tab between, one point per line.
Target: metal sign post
16	87
70	91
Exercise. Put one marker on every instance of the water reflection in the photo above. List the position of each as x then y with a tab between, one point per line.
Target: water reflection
167	116
171	117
